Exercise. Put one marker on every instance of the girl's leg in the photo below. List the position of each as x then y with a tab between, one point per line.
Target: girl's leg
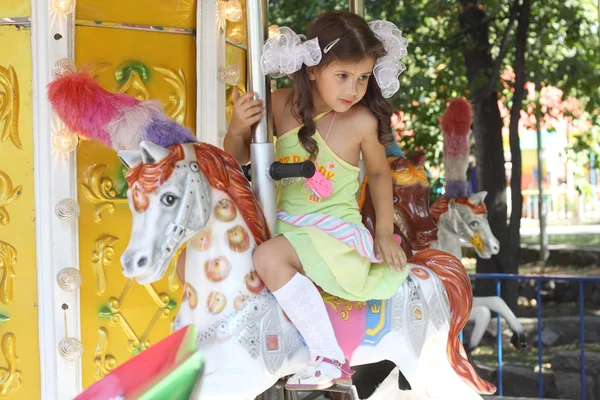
277	264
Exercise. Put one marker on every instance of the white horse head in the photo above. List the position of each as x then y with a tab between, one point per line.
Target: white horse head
464	218
170	200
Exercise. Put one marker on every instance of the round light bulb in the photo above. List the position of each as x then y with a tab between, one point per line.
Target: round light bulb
69	279
273	31
62	67
70	349
230	10
65	7
67	209
65	141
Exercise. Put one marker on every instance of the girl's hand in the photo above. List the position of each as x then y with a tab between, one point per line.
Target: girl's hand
387	248
246	112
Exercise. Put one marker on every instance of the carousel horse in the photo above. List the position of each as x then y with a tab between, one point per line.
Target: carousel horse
418	230
184	191
460	216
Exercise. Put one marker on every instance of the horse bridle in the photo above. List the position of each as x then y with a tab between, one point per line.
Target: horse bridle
178	230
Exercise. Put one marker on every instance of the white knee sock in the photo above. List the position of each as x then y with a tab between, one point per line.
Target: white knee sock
304	305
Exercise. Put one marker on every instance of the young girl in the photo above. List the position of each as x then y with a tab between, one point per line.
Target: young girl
335	111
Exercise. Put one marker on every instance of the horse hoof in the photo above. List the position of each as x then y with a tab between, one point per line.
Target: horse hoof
519	340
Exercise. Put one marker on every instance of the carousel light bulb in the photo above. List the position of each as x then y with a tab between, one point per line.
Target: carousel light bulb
65	141
70	349
229	10
273	31
69	279
63	67
64	7
67	209
230	74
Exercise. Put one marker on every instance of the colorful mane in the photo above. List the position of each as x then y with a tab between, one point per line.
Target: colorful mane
220	169
117	120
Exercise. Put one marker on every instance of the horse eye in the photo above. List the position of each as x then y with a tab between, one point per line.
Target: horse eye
474	224
168	199
395	199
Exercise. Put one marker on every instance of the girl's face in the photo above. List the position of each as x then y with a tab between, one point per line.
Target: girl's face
340	85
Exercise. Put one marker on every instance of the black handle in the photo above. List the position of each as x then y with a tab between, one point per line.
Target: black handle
280	170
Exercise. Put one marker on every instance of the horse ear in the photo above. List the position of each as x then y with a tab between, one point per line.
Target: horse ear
418	159
399	164
152	153
130	158
477	198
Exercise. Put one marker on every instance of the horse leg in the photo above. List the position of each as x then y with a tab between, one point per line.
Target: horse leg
498	305
481	315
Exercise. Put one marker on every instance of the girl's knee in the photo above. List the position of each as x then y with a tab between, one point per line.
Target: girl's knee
262	260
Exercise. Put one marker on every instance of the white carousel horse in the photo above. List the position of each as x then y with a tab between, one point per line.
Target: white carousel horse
465	219
196	192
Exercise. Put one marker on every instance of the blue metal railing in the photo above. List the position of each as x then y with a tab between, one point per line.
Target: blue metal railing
539	279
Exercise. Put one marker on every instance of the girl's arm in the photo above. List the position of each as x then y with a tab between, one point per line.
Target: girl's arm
380	184
246	112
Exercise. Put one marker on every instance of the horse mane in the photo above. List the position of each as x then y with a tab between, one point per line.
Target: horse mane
405	177
221	170
460	296
224	173
440	206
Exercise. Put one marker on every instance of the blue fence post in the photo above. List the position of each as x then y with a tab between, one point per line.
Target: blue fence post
539	333
538	279
499	338
582	339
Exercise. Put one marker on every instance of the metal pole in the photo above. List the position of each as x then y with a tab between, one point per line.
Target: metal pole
542	200
357	7
261	150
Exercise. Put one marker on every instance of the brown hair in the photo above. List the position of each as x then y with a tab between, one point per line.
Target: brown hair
357	41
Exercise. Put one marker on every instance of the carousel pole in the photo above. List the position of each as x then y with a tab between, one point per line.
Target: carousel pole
357	7
261	149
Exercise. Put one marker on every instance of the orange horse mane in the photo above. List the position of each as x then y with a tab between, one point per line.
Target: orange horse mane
441	206
460	296
220	169
405	177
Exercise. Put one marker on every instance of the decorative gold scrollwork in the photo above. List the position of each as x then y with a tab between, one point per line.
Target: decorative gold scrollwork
8	259
176	106
114	306
102	256
98	189
10	377
7	196
9	106
103	362
341	307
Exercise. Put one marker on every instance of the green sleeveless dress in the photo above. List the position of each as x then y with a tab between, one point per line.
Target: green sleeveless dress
335	248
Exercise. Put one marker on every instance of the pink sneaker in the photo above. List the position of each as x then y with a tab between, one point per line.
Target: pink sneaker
312	377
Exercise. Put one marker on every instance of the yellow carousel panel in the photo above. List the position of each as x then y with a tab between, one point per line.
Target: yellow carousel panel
19	354
119	317
158	13
15	8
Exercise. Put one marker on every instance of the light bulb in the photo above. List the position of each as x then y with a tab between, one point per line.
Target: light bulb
230	74
62	67
69	279
70	349
230	10
67	209
64	7
273	31
65	141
